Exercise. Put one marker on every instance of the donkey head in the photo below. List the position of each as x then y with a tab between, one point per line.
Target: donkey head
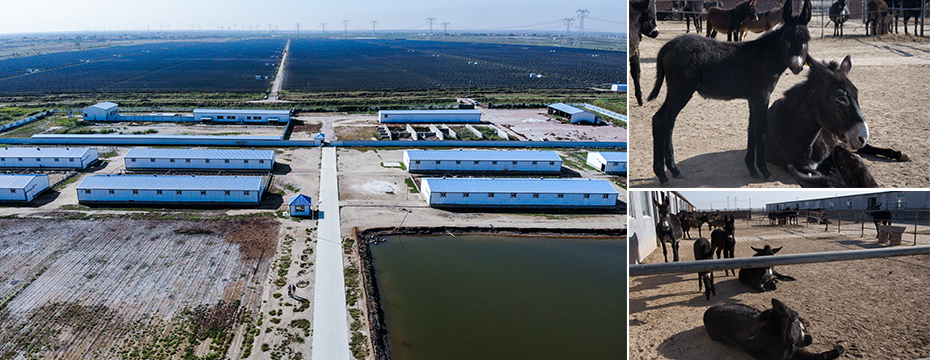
795	36
787	323
767	250
840	99
729	226
663	208
647	19
751	11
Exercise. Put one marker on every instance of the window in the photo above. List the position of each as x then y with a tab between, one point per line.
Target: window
178	192
135	192
848	205
202	192
245	161
417	162
513	195
514	162
457	162
207	161
20	159
535	162
261	161
13	191
494	163
257	117
245	193
219	117
71	160
172	160
38	159
112	192
536	196
2	159
298	208
226	161
157	192
438	162
226	192
587	196
490	195
132	160
561	196
476	162
464	195
900	203
607	196
187	160
56	159
442	195
87	191
552	163
152	160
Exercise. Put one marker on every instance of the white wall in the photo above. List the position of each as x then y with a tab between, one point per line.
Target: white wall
198	164
26	193
547	200
168	196
429	118
43	161
482	166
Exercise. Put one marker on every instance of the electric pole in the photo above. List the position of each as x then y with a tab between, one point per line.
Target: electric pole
373	23
445	30
430	21
345	27
269	28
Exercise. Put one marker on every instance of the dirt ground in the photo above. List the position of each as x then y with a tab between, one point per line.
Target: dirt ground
880	308
890	71
187	129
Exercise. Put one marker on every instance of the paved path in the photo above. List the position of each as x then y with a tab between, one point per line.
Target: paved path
330	318
278	79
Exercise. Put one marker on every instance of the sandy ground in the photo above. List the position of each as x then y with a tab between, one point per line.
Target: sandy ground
536	125
891	73
182	129
878	307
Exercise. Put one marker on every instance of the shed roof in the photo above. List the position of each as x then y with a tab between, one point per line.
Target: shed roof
431	112
615	156
201	154
299	199
484	185
243	111
568	109
498	155
171	182
43	152
106	105
16	181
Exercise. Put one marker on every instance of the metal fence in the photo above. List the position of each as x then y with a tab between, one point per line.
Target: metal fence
856	221
26	120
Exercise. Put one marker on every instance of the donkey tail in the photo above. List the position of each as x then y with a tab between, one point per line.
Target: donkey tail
660	77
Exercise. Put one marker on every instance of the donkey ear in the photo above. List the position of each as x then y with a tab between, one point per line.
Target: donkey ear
776	250
846	65
757	250
787	12
805	16
779	306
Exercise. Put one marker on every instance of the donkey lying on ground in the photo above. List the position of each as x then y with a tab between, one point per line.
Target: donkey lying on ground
726	71
724	240
807	125
775	334
703	251
762	279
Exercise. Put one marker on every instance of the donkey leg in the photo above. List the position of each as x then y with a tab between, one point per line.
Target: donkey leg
670	157
635	73
675	249
664	250
758	114
884	152
663	123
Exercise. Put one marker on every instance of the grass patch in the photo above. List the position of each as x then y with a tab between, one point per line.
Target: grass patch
411	186
107	154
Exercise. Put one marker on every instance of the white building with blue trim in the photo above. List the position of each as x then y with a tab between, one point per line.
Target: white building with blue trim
608	162
162	189
498	161
429	116
242	116
22	188
47	158
519	193
573	114
140	159
100	111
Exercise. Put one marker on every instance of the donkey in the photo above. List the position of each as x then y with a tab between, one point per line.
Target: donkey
668	229
762	279
693	12
879	216
724	240
688	222
730	20
642	22
726	71
876	11
808	125
839	14
774	334
765	21
703	251
909	9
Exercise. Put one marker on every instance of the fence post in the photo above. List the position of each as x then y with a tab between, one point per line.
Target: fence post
839	221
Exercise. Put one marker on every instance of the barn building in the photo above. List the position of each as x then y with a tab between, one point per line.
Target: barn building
519	193
22	188
889	200
166	189
101	111
573	114
235	116
199	160
618	87
642	218
452	161
429	116
299	205
608	162
47	158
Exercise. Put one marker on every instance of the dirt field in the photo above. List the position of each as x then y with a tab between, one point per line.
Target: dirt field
878	307
891	73
187	129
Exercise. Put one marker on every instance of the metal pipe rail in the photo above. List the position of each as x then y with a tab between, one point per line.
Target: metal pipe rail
765	261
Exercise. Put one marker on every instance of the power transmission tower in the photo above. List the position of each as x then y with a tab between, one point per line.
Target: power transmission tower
373	23
345	27
298	29
323	25
430	21
568	25
582	13
445	30
270	29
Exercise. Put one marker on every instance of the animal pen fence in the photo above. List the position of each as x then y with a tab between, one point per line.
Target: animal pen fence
915	222
674	10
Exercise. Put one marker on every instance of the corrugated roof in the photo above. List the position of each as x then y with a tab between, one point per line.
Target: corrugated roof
615	156
500	155
171	182
566	108
243	111
153	137
429	112
43	152
16	181
484	185
299	199
201	154
106	105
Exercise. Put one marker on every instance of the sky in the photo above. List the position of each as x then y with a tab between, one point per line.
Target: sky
708	200
82	15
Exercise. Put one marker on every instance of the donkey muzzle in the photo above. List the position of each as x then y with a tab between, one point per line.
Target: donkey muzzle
796	64
858	136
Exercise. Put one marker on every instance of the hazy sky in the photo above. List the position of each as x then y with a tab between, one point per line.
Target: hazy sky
78	15
706	200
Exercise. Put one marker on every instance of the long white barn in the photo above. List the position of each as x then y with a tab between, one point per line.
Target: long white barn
608	162
22	188
242	116
429	116
199	159
156	189
519	193
47	158
426	161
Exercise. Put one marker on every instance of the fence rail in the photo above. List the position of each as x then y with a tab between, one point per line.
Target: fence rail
26	120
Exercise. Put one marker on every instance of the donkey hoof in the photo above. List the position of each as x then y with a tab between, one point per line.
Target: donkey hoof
676	173
753	172
766	174
904	157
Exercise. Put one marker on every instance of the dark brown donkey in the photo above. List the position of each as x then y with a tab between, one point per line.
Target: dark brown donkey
839	14
876	11
724	241
765	21
668	228
806	126
730	20
642	22
726	71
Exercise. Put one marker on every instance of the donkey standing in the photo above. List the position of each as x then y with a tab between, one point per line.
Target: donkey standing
668	229
642	22
726	71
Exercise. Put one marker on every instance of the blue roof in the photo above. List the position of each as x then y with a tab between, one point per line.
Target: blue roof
16	181
498	155
484	185
615	156
201	154
43	152
429	112
171	182
299	199
568	109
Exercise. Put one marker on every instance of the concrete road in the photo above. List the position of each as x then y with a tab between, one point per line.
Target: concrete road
278	79
330	318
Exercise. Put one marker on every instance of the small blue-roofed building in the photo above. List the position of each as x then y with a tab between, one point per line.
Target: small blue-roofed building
299	205
100	112
47	158
164	189
463	161
573	114
243	116
22	188
139	159
608	162
429	116
618	87
519	193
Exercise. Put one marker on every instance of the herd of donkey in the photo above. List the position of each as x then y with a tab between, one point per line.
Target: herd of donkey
814	139
770	334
